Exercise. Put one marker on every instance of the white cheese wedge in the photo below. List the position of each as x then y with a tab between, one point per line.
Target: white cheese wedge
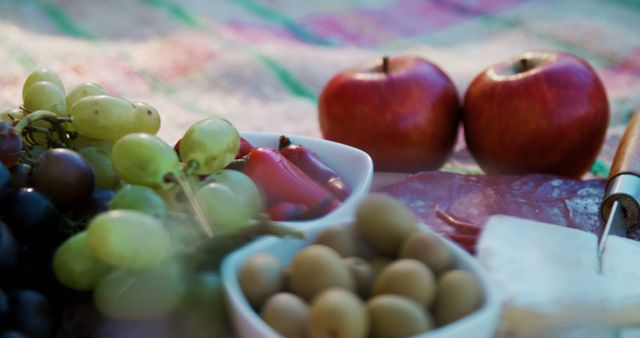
544	266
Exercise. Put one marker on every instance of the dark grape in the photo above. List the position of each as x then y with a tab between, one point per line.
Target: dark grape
4	308
33	220
5	181
10	144
13	334
162	327
80	317
20	175
65	177
98	202
30	313
8	250
35	271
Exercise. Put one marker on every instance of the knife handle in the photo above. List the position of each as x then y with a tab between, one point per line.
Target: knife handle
623	184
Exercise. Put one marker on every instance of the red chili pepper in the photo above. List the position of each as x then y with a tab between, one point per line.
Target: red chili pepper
245	147
281	181
287	211
312	165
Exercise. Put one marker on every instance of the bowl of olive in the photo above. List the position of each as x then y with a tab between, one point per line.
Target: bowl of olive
380	273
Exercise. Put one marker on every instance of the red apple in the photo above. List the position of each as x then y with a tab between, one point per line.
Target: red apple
541	112
404	111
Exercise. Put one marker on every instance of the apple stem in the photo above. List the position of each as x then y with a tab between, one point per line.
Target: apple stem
525	65
385	64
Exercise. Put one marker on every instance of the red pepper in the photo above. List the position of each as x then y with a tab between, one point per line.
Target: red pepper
287	211
281	181
307	160
245	148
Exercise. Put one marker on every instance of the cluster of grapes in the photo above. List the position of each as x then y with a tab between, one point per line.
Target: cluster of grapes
99	215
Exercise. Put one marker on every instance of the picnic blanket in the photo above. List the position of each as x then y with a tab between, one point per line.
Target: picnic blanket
263	63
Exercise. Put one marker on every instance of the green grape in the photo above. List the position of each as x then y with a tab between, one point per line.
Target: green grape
204	308
137	295
128	239
42	75
106	176
147	117
80	142
241	184
45	95
84	90
103	117
144	159
211	143
12	115
224	209
75	266
141	198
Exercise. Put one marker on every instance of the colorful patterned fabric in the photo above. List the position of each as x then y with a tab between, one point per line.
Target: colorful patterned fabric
263	63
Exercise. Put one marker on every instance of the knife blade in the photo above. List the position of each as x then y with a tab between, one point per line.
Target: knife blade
620	208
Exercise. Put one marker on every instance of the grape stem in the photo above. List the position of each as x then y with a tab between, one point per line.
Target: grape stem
190	168
264	226
193	202
24	124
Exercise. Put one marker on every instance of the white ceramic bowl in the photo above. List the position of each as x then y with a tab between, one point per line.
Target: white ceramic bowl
354	165
248	324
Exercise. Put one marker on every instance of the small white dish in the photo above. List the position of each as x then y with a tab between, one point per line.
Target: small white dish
354	165
248	324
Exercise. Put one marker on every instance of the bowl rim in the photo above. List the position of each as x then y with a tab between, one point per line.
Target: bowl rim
237	303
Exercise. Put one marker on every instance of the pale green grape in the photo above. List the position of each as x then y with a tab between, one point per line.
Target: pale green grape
145	294
204	308
223	208
45	95
141	198
83	90
144	159
241	184
80	142
147	117
106	176
103	117
211	143
75	266
12	115
42	75
128	239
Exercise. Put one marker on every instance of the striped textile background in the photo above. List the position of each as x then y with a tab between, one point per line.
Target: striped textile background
262	63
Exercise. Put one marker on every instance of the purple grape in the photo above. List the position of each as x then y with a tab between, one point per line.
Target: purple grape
65	177
98	202
8	250
4	307
30	312
13	334
10	144
20	175
33	220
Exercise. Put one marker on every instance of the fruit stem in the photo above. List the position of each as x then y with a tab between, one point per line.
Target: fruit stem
264	226
283	142
193	202
55	120
524	65
385	64
190	168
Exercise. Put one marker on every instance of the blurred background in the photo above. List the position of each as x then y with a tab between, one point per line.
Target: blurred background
263	63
